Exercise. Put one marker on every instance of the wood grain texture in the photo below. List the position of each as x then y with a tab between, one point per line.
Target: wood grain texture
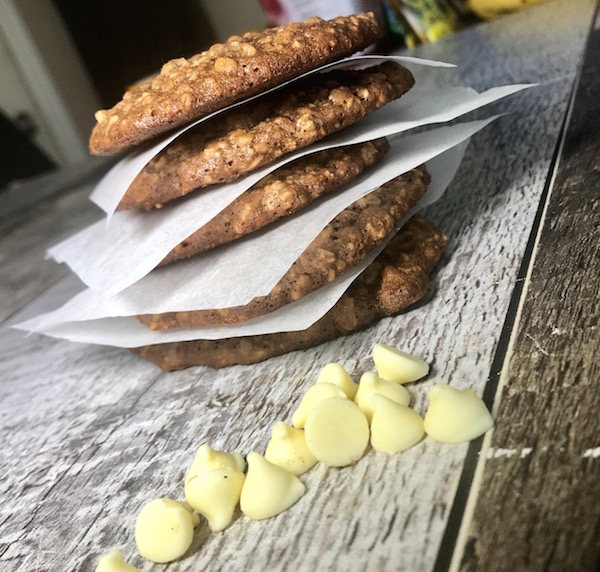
93	433
26	235
537	508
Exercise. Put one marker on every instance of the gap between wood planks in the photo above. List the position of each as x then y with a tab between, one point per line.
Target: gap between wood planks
453	542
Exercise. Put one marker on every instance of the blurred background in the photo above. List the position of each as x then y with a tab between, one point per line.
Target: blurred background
61	60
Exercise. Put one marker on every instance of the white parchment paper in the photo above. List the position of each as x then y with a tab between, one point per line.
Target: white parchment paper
112	257
90	318
110	190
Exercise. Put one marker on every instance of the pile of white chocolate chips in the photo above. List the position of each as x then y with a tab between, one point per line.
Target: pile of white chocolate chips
333	425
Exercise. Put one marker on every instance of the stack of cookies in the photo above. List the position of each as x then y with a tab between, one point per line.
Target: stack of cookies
249	135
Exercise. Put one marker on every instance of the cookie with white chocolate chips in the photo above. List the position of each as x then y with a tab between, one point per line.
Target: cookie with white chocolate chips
342	244
256	134
187	89
397	278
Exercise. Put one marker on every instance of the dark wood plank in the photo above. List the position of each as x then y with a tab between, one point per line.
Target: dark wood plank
538	503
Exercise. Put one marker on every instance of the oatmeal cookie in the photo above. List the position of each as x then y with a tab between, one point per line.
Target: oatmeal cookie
344	242
397	278
188	89
282	193
254	135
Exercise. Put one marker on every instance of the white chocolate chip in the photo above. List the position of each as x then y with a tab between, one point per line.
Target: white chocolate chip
455	415
268	489
371	384
398	366
336	373
207	458
195	516
287	449
394	427
164	530
337	432
215	494
114	562
213	484
314	395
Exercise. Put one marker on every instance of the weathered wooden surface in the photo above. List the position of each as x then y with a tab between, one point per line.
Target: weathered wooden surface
537	503
32	217
92	433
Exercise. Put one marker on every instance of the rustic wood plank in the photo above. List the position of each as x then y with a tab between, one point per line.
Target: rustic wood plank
537	506
95	432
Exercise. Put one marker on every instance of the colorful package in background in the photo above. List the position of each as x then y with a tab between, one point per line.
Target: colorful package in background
404	22
407	22
426	20
490	9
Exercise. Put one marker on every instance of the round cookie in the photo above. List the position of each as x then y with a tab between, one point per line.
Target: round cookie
187	89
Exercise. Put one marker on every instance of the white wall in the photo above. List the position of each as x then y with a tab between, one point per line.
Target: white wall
46	78
14	98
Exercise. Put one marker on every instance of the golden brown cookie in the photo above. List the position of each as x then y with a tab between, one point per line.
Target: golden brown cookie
282	193
254	135
342	244
187	89
397	278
